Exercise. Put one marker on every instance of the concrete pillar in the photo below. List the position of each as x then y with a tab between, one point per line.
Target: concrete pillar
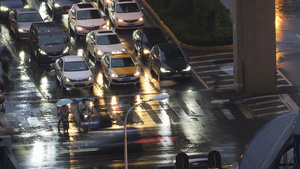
254	46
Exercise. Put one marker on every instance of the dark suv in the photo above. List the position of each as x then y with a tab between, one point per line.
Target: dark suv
48	42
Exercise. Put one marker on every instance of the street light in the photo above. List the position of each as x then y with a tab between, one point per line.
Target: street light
158	97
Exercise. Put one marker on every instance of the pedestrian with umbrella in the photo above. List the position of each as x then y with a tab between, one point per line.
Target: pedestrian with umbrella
63	113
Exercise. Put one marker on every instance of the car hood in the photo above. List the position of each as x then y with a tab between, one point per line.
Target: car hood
26	25
77	75
91	22
125	70
109	48
175	65
53	47
129	16
12	4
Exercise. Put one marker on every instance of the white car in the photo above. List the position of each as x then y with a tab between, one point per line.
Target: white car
103	41
74	72
84	18
125	14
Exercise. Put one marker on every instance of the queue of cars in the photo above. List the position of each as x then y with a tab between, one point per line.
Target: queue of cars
49	43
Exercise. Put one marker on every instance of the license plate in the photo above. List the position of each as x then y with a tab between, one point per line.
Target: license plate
54	59
79	85
126	79
131	24
177	75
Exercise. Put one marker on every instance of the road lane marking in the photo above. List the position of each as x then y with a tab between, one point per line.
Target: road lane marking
243	109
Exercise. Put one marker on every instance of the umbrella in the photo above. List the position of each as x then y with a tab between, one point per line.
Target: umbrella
80	99
63	102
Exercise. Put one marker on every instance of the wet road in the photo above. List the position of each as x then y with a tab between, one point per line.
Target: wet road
186	122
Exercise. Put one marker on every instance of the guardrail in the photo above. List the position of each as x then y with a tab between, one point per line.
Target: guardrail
7	160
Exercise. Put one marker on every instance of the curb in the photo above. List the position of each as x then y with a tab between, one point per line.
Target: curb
185	46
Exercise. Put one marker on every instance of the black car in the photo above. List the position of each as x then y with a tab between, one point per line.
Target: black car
8	5
61	6
145	38
48	42
169	62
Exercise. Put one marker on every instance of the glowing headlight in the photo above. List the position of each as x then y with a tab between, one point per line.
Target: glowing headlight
146	51
26	6
114	75
99	52
141	19
108	1
163	70
66	50
137	73
67	79
120	20
80	28
21	30
90	78
42	52
103	26
56	5
187	69
4	8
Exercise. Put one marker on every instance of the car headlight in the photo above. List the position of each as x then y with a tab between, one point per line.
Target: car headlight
56	5
163	70
187	69
120	20
146	51
141	18
80	28
26	6
67	79
4	8
42	52
90	78
113	74
108	1
103	26
137	73
66	50
21	30
99	52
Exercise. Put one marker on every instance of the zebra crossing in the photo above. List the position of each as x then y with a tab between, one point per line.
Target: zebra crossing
158	113
209	67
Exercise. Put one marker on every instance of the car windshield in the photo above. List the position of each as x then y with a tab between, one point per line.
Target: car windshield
51	39
108	40
29	17
129	7
121	62
88	14
172	55
75	66
154	37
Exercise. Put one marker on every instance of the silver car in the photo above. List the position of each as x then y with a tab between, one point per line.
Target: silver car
21	19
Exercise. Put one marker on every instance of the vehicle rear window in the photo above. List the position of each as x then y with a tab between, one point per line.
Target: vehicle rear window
88	14
121	62
108	40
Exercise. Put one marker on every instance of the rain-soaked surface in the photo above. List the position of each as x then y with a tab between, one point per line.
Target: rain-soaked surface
157	131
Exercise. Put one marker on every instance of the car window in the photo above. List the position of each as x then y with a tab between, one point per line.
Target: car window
88	14
129	7
107	40
51	39
172	55
121	62
29	17
75	66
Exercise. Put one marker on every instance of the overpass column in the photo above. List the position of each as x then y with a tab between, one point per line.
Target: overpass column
254	41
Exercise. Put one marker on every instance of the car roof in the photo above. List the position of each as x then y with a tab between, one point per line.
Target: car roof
104	32
85	6
120	55
72	58
47	27
26	10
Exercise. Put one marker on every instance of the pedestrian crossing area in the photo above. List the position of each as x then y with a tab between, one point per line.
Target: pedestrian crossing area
156	113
